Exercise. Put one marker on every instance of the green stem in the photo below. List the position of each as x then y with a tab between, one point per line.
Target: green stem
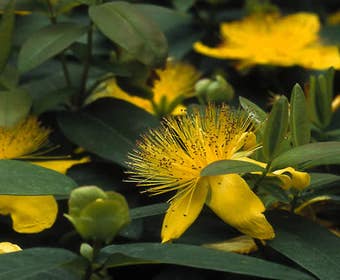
264	174
62	58
91	269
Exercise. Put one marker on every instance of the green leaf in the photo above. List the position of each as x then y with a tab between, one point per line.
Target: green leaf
275	129
321	184
325	96
204	258
311	246
108	127
41	263
321	180
24	178
15	104
309	155
255	112
149	210
127	27
299	122
9	78
330	34
6	33
183	6
47	42
320	98
226	166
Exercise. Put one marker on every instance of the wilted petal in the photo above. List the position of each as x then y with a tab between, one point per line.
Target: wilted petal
296	179
8	247
30	214
237	205
61	166
183	211
243	244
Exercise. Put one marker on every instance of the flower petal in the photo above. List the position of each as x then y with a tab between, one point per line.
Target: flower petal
236	204
243	244
61	166
298	180
183	211
8	247
30	214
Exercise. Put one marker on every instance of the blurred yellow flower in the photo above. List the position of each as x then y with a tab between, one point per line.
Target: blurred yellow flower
174	84
274	40
30	214
8	247
171	158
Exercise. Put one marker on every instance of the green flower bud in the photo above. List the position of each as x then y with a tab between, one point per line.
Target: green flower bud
218	90
97	215
86	250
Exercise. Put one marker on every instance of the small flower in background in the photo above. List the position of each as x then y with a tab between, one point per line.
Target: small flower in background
8	247
30	214
175	83
171	158
271	39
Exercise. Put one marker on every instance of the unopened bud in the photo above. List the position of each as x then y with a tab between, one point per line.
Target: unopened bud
97	215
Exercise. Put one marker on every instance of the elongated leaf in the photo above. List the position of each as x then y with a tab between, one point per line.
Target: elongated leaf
95	136
15	104
308	244
107	128
276	128
320	180
230	166
47	42
309	155
321	184
149	210
24	178
40	263
127	27
257	114
299	122
196	256
9	78
325	96
6	33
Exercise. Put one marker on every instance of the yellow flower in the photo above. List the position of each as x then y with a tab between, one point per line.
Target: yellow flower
30	214
171	158
274	40
8	247
175	83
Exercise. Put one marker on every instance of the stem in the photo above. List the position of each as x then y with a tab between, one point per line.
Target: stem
265	172
82	91
62	58
97	245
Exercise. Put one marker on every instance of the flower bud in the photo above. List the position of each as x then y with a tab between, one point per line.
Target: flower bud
97	215
217	90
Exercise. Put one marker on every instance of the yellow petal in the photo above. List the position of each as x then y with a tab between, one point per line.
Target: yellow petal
289	177
8	247
296	179
336	103
237	205
61	165
184	210
30	214
242	244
